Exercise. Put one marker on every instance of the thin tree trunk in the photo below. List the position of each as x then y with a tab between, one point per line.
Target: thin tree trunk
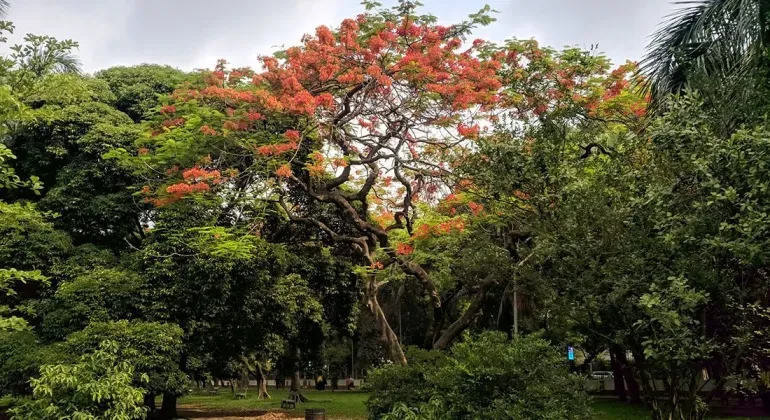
295	375
262	382
386	332
617	373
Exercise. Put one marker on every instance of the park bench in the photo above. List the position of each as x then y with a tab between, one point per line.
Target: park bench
240	396
291	401
214	391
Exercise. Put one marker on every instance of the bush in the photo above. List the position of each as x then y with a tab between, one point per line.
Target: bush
21	355
152	348
395	384
98	387
487	377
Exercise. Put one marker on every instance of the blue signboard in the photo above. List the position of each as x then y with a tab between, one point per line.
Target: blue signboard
570	353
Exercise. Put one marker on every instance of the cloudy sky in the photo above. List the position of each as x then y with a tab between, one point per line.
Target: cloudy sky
194	33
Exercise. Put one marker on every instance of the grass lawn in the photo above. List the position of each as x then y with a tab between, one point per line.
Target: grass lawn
338	405
351	405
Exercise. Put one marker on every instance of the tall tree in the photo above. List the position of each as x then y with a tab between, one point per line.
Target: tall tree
331	123
717	45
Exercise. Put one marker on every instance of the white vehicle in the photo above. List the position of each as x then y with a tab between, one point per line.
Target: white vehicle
601	375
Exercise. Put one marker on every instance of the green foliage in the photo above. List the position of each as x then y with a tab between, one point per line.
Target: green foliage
60	140
99	386
393	384
42	55
21	355
67	89
138	88
10	277
490	377
484	377
97	296
28	247
28	240
151	348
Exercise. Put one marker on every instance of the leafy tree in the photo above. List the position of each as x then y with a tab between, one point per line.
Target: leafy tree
22	354
101	295
153	349
99	386
138	88
29	248
724	40
259	127
42	55
70	125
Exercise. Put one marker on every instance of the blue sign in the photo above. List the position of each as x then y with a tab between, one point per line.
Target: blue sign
570	353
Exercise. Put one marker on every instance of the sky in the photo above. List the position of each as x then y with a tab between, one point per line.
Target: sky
192	34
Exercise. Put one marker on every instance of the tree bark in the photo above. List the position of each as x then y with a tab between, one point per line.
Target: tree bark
466	319
262	382
617	373
628	374
168	407
386	332
295	376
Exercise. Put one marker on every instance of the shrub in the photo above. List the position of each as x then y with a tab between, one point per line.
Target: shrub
98	387
393	384
21	356
490	377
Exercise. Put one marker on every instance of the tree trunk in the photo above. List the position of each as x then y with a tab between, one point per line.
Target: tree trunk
168	407
628	374
617	373
633	386
294	381
386	332
262	382
295	376
466	319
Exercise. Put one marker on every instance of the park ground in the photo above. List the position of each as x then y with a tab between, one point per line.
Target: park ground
344	405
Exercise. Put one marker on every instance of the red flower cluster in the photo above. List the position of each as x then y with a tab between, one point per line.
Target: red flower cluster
209	131
182	189
476	208
284	171
292	135
425	230
168	109
404	249
199	174
468	131
174	122
276	149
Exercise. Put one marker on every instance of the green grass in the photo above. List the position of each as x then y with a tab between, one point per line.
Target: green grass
613	410
351	405
338	404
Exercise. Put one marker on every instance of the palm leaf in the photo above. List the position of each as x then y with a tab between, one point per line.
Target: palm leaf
722	39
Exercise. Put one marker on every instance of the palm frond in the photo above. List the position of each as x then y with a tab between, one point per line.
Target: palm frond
4	7
719	38
67	63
